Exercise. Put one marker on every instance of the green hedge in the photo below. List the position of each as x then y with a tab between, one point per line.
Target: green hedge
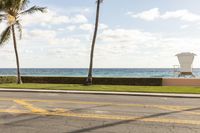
81	80
8	79
54	80
97	81
129	81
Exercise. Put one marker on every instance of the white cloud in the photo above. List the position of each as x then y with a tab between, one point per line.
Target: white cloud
52	18
2	26
44	18
62	41
144	48
184	15
124	35
90	27
42	34
58	46
78	19
148	15
116	47
86	27
184	26
153	14
103	26
50	37
71	27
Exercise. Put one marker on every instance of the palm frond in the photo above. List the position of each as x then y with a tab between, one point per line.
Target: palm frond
24	4
19	27
2	5
1	17
8	4
13	5
33	10
16	4
5	35
20	4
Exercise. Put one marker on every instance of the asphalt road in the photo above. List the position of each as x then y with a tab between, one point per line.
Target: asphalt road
81	113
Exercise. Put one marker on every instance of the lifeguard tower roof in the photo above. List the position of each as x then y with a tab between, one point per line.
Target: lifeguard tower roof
186	54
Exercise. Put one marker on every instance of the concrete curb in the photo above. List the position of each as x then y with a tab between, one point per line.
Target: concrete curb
104	93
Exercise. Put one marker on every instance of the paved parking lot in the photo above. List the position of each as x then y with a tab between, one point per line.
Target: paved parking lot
77	113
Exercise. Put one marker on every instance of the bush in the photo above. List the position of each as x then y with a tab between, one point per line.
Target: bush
8	79
97	81
129	81
54	80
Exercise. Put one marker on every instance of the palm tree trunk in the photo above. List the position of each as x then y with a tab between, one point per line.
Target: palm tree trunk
19	80
89	78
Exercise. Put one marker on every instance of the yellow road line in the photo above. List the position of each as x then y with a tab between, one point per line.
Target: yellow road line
131	118
109	117
184	109
163	107
30	106
13	111
6	99
113	104
166	107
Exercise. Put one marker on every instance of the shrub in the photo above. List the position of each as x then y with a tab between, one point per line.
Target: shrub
97	81
8	79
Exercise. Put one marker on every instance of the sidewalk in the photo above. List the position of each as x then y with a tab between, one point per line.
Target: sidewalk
104	93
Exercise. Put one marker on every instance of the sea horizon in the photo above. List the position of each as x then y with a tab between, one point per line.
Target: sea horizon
97	72
93	68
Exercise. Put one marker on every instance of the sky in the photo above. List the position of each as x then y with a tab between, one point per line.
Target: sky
132	34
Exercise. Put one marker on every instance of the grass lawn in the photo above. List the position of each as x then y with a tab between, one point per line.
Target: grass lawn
117	88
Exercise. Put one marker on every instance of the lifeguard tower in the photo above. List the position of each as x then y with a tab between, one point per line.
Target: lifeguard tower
185	60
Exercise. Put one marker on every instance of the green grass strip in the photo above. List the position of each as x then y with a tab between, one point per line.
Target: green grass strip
115	88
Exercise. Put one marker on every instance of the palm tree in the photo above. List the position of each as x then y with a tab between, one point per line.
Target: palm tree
11	11
89	78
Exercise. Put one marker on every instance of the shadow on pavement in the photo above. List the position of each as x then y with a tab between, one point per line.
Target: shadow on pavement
86	108
21	118
128	121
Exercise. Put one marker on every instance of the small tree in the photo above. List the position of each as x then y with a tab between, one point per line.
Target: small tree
89	78
11	11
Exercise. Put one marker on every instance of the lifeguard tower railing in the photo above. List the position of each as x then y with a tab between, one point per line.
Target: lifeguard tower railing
177	71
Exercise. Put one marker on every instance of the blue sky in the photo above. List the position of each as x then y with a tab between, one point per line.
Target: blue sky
132	34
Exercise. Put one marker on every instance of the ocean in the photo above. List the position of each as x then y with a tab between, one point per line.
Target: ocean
97	72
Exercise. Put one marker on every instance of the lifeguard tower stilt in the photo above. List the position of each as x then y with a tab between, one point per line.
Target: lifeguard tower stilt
186	60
